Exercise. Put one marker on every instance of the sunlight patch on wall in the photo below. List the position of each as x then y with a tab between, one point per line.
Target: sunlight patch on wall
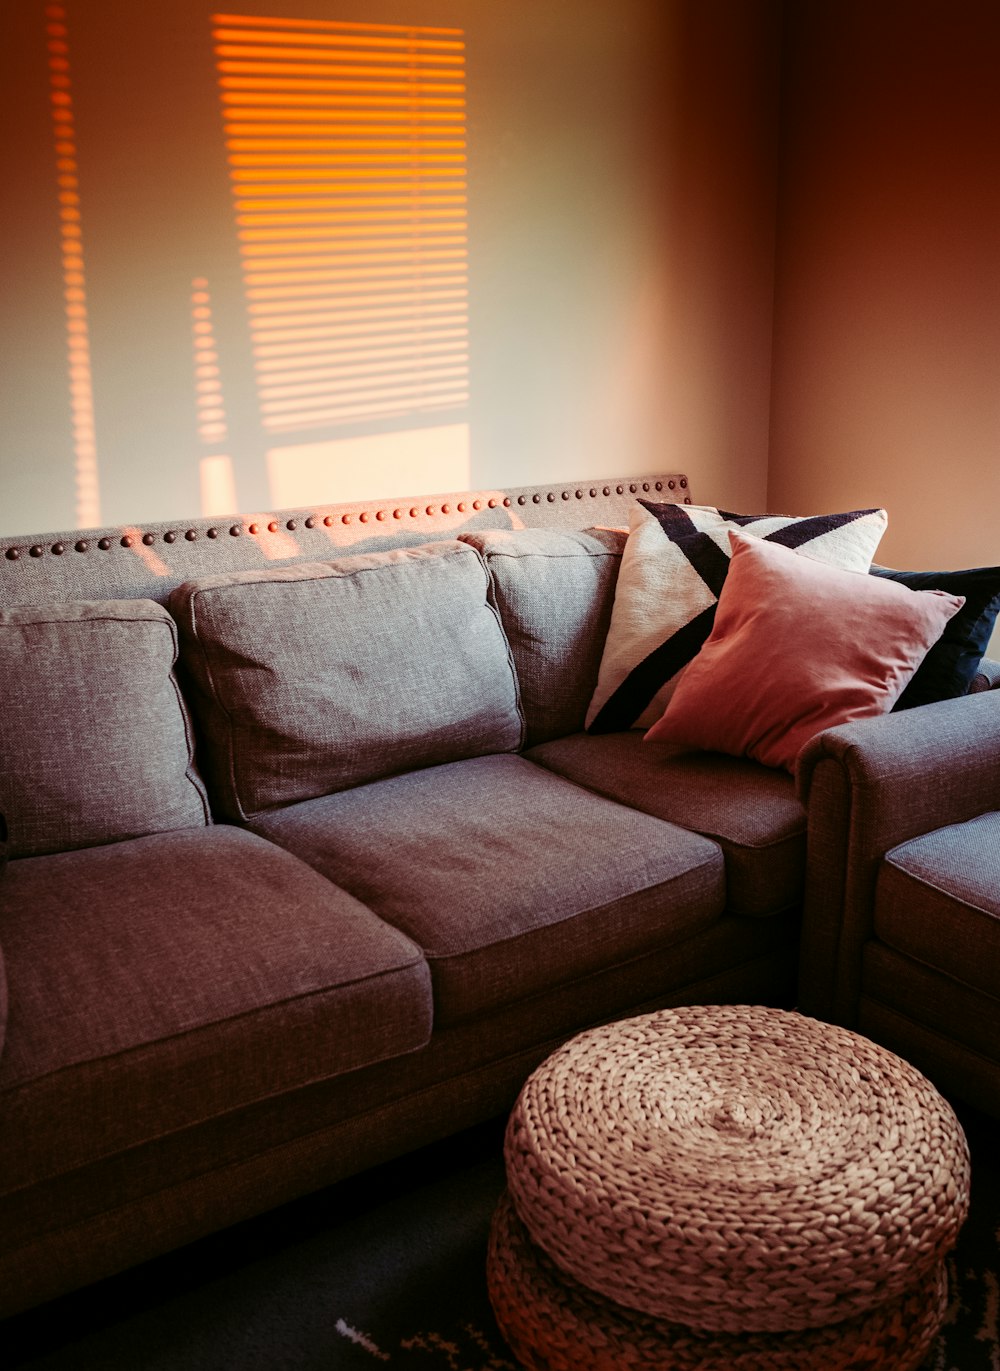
369	466
212	427
81	393
347	158
218	486
217	479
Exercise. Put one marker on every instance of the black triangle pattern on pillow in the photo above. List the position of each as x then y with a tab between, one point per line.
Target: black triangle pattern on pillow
710	562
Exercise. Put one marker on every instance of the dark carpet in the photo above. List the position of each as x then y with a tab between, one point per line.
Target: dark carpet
388	1270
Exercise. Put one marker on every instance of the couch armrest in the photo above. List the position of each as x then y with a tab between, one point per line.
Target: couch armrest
3	972
868	786
987	676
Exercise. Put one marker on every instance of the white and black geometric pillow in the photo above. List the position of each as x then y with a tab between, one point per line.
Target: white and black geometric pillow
672	571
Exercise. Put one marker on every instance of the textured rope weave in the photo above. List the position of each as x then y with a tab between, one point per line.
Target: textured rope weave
737	1169
554	1324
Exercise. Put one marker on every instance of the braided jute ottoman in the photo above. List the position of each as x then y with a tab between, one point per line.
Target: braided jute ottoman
703	1176
553	1323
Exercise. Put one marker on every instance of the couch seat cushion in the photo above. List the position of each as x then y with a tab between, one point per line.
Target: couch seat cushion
511	879
163	981
750	810
938	901
310	678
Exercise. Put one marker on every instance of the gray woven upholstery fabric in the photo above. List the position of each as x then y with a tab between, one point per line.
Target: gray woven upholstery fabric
511	880
197	1180
164	981
95	741
871	785
938	900
957	1041
750	810
311	678
555	592
987	677
3	999
929	996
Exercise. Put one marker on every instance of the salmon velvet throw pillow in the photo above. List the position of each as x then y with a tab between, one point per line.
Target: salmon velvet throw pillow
797	647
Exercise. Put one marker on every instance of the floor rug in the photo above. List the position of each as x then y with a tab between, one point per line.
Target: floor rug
387	1271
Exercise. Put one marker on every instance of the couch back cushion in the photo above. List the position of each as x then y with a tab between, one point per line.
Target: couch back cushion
95	741
555	592
310	679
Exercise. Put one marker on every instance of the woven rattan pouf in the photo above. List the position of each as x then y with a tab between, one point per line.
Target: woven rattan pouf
735	1183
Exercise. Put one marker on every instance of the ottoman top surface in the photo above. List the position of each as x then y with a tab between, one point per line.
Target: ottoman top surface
737	1168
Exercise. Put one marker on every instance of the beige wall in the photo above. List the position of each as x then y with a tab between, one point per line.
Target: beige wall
887	315
621	210
710	293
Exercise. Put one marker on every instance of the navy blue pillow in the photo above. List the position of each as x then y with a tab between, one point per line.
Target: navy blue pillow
948	669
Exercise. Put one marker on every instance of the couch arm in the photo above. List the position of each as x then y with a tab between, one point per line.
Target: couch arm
987	676
3	972
868	786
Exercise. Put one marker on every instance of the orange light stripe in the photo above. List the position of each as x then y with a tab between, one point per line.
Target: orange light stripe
323	215
402	75
338	124
291	233
234	57
372	263
326	192
260	308
280	181
273	326
262	270
306	341
380	232
298	269
344	38
271	320
79	370
309	419
276	248
304	85
357	382
359	324
336	116
387	165
257	273
413	386
305	358
391	104
211	414
327	25
368	280
419	154
374	143
325	282
281	330
351	374
279	232
347	180
339	244
396	363
327	362
344	189
353	197
291	213
346	239
354	222
279	256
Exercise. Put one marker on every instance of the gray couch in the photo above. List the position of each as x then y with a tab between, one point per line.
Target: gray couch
332	886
